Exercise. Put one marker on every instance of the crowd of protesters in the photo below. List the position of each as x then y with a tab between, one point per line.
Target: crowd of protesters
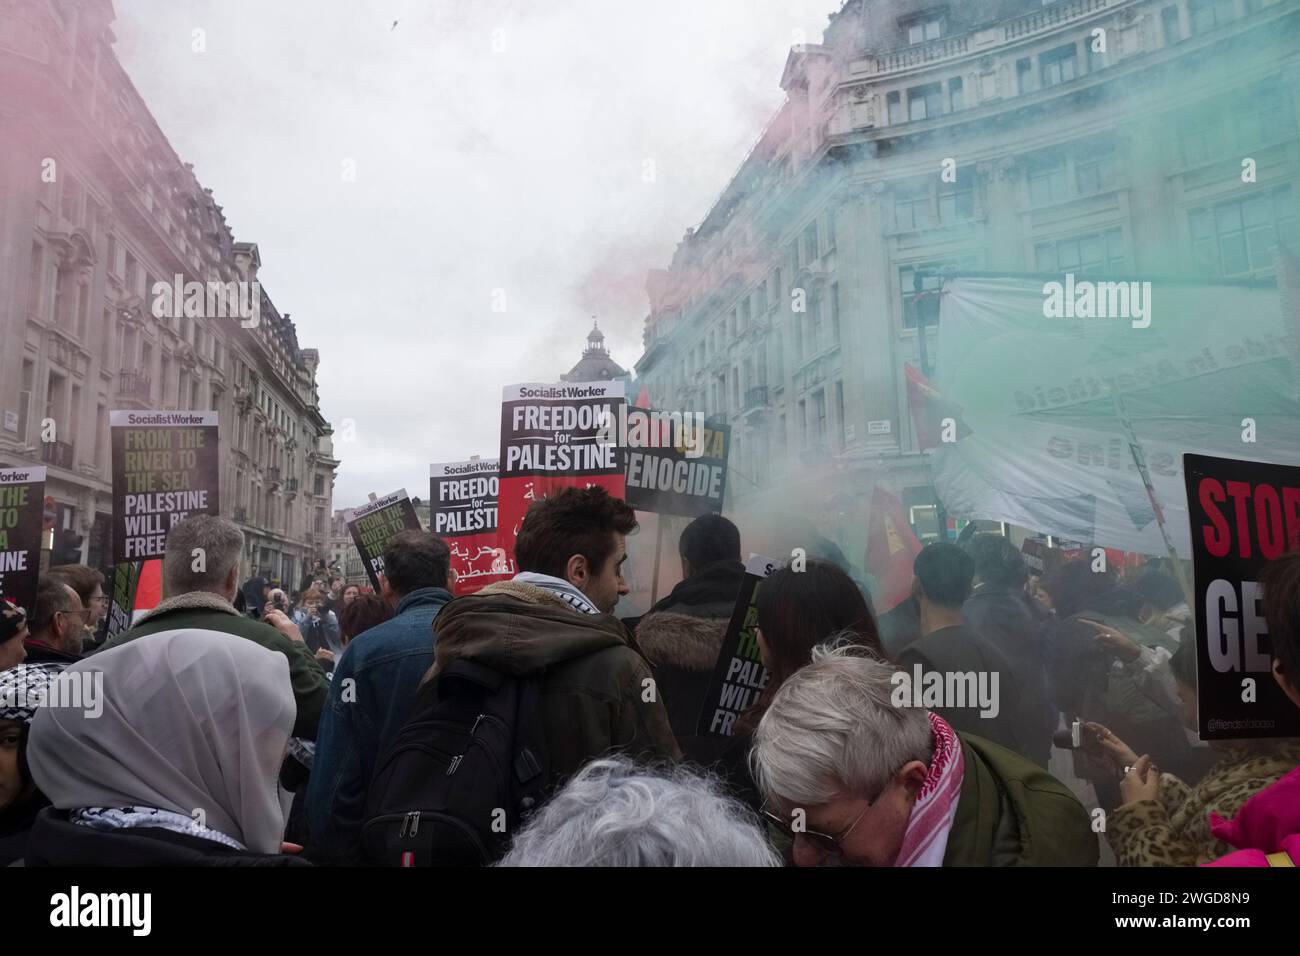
237	724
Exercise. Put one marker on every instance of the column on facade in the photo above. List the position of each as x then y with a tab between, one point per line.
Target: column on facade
865	327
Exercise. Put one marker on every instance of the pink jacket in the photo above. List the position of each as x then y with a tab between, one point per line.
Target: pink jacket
1266	823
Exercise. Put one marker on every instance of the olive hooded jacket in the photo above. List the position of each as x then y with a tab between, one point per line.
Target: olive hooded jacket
598	693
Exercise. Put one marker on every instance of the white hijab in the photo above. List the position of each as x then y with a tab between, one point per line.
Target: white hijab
192	720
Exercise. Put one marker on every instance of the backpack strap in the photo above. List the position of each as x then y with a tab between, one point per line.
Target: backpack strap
531	766
1281	858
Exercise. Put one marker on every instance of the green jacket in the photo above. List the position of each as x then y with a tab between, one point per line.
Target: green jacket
596	681
1013	813
203	611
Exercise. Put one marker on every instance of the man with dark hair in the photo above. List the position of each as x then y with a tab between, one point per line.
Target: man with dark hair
1008	618
949	648
58	624
374	686
553	619
577	537
682	634
709	539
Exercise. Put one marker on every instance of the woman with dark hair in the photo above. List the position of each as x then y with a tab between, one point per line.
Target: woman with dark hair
797	611
361	614
1161	820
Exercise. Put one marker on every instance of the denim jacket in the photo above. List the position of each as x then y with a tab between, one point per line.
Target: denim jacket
374	687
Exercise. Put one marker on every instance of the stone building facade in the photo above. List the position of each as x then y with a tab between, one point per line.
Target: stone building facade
95	208
1016	136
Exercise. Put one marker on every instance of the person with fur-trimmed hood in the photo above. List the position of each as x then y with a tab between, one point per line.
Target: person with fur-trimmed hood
555	618
683	633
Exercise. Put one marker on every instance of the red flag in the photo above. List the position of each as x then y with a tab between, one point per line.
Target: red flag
891	546
642	398
930	409
148	588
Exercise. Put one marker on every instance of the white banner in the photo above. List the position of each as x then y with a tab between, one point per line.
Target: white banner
1198	367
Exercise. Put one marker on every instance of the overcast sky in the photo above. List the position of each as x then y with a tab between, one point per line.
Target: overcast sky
497	144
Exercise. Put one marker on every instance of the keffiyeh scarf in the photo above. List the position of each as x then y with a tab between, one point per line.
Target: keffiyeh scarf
560	588
127	818
926	838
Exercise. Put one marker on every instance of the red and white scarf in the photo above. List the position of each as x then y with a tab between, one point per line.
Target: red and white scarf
926	838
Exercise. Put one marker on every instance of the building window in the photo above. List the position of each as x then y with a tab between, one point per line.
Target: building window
1241	236
819	422
25	399
912	206
810	247
927	27
1098	252
1057	66
1047	181
1257	116
1208	14
895	102
839	414
803	423
924	101
1169	25
1095	172
835	313
36	281
919	298
814	322
1024	70
1097	59
956	200
956	94
101	429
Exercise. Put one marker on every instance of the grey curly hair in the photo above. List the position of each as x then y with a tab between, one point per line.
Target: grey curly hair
613	813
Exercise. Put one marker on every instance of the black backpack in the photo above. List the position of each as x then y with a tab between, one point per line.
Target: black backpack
465	769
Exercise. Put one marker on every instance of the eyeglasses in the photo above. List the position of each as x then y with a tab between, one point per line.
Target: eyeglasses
825	842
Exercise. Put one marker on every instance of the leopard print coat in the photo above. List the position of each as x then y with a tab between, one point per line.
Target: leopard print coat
1175	829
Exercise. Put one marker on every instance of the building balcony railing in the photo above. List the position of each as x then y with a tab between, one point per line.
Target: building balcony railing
756	398
241	515
134	384
57	453
291	486
944	48
1053	15
959	45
